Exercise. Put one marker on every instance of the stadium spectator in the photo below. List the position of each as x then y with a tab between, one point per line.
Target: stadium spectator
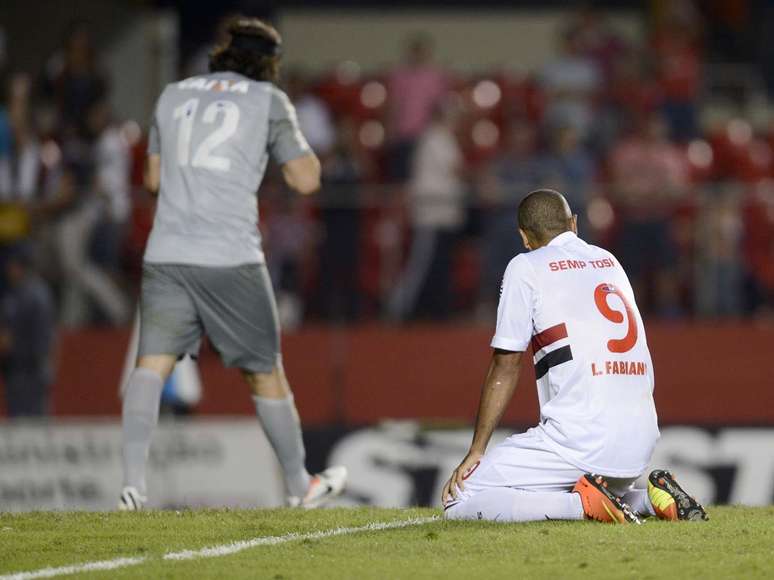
501	186
719	274
78	210
288	235
632	92
598	40
572	82
676	45
568	167
648	176
343	173
27	337
5	135
758	246
415	89
19	164
437	213
112	164
30	171
314	116
73	78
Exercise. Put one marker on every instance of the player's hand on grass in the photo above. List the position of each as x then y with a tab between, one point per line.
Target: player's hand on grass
456	482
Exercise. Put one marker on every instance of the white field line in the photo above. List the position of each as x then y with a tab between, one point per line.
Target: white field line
234	547
215	551
64	570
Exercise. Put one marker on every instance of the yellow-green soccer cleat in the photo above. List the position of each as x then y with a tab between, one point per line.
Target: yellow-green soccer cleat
670	501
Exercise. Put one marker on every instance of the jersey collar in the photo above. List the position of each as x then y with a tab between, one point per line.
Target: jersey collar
562	239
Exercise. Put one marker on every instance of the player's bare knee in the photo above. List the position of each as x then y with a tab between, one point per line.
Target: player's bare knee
271	385
158	363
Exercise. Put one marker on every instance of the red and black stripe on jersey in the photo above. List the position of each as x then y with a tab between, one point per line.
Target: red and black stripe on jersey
552	358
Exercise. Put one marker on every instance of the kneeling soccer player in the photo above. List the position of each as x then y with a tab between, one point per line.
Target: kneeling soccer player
204	269
573	302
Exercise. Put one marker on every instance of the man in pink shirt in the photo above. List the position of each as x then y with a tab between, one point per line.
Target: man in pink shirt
415	88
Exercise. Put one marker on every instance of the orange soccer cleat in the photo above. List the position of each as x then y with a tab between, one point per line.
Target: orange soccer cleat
600	504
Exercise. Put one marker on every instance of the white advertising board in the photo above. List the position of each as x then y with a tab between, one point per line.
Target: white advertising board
404	464
192	463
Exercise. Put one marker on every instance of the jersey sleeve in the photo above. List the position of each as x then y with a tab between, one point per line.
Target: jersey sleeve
154	146
154	136
286	142
154	141
515	311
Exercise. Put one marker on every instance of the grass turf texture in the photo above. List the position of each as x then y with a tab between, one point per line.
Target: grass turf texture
736	543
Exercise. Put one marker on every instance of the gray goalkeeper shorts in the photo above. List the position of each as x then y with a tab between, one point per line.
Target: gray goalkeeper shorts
233	306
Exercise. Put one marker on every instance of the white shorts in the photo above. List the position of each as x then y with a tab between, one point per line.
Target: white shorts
524	461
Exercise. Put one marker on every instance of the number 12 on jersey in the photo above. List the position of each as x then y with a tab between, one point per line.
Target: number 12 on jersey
204	157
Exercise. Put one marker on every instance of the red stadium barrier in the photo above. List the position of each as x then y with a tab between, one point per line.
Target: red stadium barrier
706	374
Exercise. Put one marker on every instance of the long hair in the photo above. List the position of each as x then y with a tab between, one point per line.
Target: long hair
253	50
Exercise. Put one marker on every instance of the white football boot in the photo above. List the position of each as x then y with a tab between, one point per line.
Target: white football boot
131	500
324	486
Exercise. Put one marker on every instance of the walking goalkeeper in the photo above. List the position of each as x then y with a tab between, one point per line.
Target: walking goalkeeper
204	269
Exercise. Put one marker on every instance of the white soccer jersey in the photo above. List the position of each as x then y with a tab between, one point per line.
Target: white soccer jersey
573	302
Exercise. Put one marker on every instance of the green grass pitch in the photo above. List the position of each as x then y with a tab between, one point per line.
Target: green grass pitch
736	543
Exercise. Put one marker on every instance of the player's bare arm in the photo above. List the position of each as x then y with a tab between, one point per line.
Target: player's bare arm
496	393
152	177
302	174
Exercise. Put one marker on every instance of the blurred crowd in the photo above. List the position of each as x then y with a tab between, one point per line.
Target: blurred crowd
422	171
424	168
65	213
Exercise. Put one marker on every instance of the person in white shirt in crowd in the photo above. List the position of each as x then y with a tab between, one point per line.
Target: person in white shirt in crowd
314	116
112	174
437	191
81	211
20	170
573	303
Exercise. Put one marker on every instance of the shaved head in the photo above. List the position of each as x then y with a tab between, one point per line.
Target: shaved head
543	215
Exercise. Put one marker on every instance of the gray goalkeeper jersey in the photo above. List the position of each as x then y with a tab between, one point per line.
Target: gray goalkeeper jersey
215	134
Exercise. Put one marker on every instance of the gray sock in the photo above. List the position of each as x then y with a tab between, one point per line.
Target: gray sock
282	426
140	415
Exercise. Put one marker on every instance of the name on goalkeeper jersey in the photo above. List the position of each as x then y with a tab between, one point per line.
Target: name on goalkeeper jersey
580	264
619	367
217	85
